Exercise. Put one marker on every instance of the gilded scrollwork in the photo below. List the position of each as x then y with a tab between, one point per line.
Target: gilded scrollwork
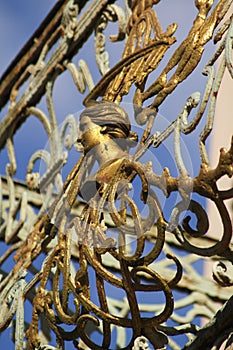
112	268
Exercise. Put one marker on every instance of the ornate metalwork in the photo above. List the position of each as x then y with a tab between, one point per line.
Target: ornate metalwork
89	258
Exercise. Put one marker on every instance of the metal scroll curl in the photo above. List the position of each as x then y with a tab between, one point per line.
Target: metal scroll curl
108	217
202	226
91	231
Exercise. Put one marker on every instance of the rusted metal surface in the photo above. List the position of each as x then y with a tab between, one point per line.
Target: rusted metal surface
32	49
39	71
97	252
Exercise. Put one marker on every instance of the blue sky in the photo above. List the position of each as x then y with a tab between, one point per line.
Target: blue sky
18	21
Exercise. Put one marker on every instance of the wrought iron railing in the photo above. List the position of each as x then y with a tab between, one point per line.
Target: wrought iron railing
104	254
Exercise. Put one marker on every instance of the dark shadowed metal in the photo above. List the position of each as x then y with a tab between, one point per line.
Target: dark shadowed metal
70	242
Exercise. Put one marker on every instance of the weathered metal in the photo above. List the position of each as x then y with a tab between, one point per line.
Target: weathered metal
90	251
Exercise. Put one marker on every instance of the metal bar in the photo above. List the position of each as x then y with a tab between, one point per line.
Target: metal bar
31	50
52	68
